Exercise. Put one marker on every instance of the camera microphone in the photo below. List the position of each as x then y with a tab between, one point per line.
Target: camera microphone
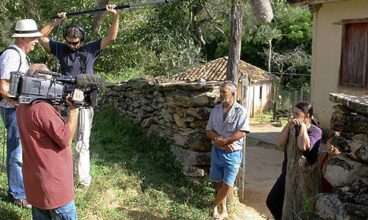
87	80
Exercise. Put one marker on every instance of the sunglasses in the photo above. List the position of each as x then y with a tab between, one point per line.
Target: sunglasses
73	43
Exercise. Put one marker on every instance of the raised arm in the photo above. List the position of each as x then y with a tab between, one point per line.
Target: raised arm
114	29
47	29
284	135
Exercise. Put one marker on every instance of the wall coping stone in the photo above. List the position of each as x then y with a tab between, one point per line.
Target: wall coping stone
357	104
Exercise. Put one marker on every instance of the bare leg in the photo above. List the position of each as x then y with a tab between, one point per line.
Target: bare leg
222	190
216	214
224	214
222	194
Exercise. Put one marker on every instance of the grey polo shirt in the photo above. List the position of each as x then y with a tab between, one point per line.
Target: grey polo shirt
235	120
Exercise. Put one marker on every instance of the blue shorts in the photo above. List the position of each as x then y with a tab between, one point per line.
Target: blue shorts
225	166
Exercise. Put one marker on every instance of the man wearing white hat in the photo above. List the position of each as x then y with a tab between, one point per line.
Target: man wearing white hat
14	58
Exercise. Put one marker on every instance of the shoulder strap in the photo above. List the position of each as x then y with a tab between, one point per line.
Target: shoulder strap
20	56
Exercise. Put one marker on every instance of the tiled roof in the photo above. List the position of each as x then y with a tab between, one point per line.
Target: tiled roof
215	70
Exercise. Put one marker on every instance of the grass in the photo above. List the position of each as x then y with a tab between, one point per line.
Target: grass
134	177
125	75
267	118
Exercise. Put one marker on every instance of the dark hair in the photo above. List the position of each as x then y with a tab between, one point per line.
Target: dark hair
74	31
307	109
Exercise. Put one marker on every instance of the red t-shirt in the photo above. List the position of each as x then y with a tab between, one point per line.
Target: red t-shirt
47	157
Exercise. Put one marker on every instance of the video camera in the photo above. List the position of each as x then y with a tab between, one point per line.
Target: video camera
55	88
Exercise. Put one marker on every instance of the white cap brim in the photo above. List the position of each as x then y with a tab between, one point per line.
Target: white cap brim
35	34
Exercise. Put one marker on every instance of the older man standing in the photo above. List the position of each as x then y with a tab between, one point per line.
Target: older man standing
14	58
226	129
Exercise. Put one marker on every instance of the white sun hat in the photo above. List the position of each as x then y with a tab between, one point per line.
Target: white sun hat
26	28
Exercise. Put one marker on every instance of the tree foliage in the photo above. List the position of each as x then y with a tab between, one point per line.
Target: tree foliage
173	37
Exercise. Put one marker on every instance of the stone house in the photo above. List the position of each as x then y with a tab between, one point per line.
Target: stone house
259	91
339	51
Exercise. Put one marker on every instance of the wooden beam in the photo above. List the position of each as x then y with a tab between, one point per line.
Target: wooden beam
352	21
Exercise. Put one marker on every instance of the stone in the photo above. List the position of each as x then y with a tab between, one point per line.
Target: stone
156	106
153	130
148	108
340	171
179	100
200	100
140	115
191	158
193	172
194	112
147	122
329	206
356	193
187	131
356	211
359	147
205	113
342	144
175	111
180	111
179	121
349	123
357	104
189	119
166	116
180	139
198	124
160	99
136	104
199	142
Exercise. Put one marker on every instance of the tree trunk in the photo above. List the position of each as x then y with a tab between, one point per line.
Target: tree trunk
97	17
235	40
302	183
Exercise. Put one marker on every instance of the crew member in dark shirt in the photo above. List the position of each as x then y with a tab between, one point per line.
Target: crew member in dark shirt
75	58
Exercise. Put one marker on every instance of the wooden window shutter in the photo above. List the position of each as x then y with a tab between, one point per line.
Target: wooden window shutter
354	59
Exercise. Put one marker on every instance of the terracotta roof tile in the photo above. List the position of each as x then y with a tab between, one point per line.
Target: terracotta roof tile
215	70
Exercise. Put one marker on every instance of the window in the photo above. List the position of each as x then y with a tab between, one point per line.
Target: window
260	92
354	59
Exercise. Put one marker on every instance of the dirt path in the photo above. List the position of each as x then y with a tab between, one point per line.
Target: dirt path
263	168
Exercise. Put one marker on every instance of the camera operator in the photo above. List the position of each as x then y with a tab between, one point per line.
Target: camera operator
47	158
78	58
14	59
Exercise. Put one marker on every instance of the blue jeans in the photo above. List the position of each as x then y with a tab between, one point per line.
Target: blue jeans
14	155
65	212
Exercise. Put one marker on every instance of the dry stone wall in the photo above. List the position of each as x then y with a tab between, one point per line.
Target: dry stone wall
348	172
177	111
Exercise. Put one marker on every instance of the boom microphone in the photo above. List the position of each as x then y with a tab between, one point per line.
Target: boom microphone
120	7
88	80
83	80
262	10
